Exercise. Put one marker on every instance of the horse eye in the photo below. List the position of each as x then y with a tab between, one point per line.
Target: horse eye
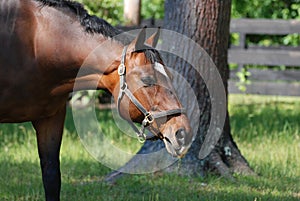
148	81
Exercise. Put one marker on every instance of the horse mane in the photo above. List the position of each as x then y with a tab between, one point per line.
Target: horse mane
91	23
152	55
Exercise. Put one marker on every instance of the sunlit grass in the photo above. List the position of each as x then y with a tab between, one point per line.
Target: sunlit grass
266	130
268	133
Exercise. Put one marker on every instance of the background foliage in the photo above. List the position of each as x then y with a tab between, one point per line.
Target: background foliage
112	10
273	9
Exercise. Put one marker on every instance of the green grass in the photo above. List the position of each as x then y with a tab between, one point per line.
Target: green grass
266	129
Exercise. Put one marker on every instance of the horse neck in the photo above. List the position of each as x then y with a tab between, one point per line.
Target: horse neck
86	60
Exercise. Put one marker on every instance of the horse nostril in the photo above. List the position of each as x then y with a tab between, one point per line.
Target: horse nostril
180	135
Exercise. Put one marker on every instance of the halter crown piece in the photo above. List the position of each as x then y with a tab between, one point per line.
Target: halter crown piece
149	117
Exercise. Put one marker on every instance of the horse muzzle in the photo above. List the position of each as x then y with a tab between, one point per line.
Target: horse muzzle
177	143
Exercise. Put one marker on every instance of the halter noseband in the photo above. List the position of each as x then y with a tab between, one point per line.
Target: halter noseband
149	117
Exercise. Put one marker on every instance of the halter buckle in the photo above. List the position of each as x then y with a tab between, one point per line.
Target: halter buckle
149	119
141	137
121	69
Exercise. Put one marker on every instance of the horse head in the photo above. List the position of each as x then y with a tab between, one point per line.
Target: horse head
145	95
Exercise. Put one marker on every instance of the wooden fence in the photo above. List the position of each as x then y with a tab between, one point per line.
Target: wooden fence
270	80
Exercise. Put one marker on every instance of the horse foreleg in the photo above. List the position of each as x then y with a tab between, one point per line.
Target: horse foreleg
49	136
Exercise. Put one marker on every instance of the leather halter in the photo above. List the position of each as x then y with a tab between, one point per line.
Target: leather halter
149	117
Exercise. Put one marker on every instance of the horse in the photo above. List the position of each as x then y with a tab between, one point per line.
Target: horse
43	46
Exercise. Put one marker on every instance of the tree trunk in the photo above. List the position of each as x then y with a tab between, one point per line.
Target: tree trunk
132	12
207	23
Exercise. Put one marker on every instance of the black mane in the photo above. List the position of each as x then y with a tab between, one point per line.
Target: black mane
91	23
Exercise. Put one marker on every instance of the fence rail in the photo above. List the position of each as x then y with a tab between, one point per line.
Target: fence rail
268	81
265	26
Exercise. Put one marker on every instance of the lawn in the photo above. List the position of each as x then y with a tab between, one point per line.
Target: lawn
266	129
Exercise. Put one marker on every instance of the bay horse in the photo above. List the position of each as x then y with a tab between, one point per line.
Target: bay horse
43	46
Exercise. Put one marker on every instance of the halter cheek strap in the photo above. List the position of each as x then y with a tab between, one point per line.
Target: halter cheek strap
149	118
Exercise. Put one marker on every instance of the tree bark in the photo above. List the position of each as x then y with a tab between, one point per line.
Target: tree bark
132	12
207	23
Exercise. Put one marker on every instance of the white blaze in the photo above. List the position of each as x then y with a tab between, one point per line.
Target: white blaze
160	68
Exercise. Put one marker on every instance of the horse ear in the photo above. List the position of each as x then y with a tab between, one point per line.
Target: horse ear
140	40
153	40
